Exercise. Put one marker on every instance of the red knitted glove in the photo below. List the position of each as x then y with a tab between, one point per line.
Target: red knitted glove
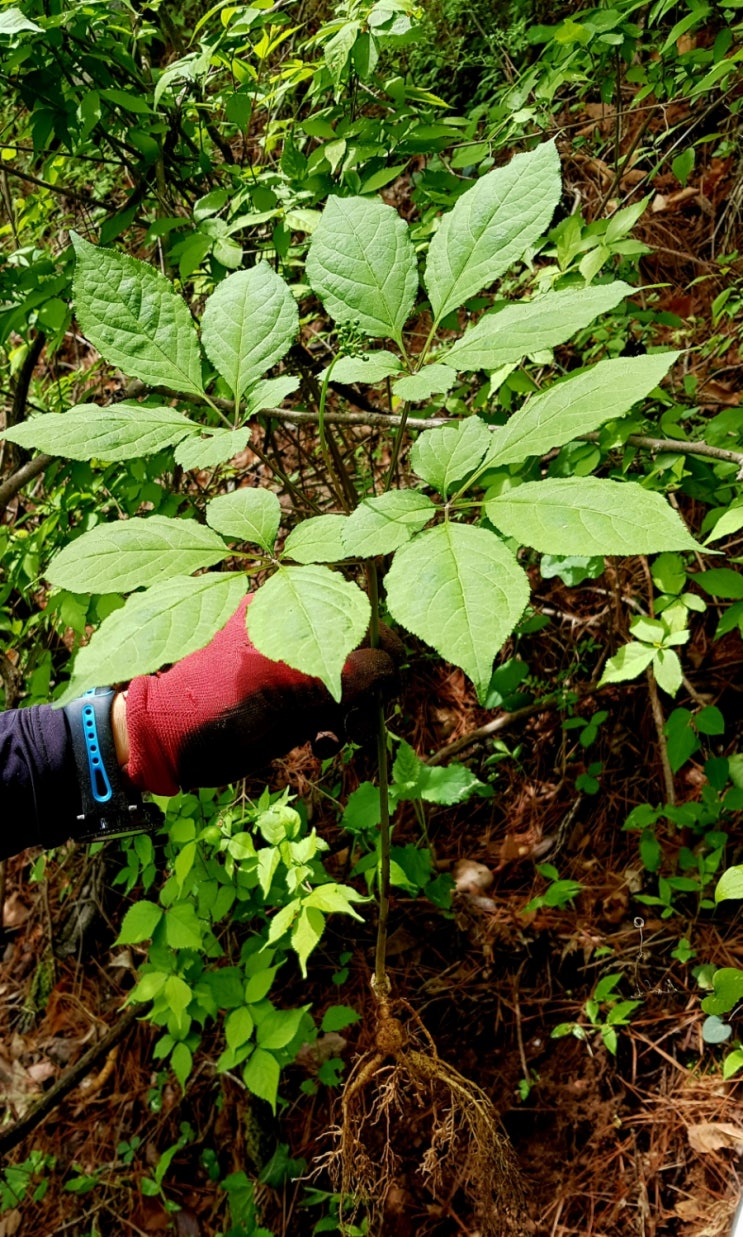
227	709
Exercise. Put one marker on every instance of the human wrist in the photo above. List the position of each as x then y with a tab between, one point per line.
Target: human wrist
119	729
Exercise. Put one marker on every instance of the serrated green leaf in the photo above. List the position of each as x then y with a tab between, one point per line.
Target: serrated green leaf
116	432
519	330
260	984
182	1063
162	625
317	540
710	720
13	21
278	1028
261	1076
732	1063
667	670
380	525
362	265
248	514
150	985
269	393
730	884
682	738
445	455
369	367
135	318
337	49
238	1027
629	662
438	784
362	810
728	990
431	380
184	862
183	929
306	934
249	323
268	862
283	920
334	898
729	522
462	591
589	515
139	923
178	994
721	582
310	618
219	447
578	405
491	226
338	1017
129	554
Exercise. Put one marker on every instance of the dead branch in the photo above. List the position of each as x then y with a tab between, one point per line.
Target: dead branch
17	480
21	1129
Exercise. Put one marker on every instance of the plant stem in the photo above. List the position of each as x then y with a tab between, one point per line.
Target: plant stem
396	447
335	484
381	983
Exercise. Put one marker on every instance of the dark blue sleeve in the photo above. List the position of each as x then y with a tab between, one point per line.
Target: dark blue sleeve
39	796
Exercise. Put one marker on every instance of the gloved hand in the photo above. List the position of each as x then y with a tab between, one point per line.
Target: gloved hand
227	709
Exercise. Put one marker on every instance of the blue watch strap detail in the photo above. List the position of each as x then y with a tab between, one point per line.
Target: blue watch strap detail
100	784
109	806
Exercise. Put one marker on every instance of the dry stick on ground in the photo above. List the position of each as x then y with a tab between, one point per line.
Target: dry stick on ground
506	720
12	1137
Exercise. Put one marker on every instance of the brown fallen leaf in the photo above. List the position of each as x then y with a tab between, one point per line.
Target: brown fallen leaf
690	1209
471	876
713	1135
672	201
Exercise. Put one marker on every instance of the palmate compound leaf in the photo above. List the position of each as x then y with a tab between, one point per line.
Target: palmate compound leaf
135	318
311	619
447	454
136	553
362	265
158	626
491	226
249	323
117	432
577	406
380	525
518	330
461	590
247	514
589	515
220	445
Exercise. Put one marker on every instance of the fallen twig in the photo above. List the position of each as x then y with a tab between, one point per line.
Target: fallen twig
21	1129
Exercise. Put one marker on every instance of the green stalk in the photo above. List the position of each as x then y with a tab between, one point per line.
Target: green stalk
335	483
381	981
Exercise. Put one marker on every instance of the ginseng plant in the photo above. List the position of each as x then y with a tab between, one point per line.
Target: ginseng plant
450	525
